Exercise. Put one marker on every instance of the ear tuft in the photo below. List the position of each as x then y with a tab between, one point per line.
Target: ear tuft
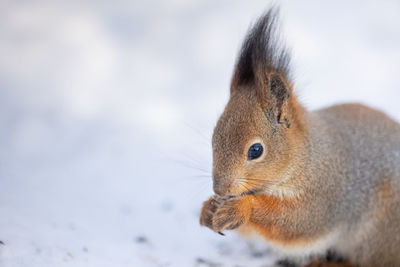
262	52
263	66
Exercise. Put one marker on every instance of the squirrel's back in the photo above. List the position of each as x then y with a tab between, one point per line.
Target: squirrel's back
372	137
368	142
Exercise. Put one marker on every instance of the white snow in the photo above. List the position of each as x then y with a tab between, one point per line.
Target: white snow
107	108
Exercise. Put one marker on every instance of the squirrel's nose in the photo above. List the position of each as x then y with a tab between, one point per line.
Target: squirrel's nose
218	190
220	185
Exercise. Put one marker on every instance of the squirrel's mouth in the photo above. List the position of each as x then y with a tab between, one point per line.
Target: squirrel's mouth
249	192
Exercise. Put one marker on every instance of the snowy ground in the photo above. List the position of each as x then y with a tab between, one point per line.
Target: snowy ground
107	108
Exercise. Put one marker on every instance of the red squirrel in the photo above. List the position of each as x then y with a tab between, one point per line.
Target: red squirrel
313	182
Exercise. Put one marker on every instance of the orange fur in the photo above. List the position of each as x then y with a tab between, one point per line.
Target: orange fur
262	206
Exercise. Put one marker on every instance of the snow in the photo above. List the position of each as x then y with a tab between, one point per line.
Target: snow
106	113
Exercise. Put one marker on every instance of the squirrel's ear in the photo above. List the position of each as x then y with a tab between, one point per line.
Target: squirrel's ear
277	101
263	66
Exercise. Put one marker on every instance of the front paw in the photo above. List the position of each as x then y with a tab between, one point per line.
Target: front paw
221	214
228	215
207	212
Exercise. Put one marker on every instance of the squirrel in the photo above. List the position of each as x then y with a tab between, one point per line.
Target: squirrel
310	183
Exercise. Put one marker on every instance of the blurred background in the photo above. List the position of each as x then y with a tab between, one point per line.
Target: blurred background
107	110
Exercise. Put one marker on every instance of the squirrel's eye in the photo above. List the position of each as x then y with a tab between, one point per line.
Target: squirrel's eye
255	151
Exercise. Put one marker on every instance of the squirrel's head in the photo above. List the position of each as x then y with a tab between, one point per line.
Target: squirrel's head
259	134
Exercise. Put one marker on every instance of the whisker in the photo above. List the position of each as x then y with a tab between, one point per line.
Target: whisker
190	156
205	138
201	176
249	183
264	182
188	165
245	186
259	181
249	191
255	179
198	190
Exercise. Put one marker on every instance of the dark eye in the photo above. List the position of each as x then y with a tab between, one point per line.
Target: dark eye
255	151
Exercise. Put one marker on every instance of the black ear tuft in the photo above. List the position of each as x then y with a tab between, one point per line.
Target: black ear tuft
262	53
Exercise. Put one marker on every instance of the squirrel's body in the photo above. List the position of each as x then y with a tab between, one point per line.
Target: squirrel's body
327	180
352	163
362	194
